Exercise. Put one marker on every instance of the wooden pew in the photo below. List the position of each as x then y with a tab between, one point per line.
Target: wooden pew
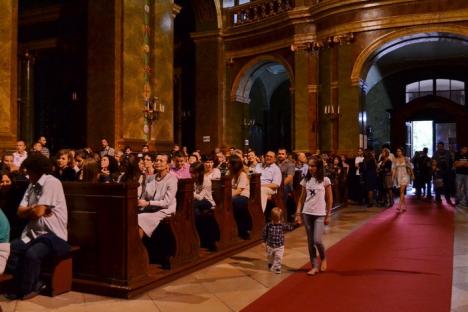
222	195
179	231
103	222
255	207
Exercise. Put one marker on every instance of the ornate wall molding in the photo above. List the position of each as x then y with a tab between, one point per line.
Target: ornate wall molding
361	63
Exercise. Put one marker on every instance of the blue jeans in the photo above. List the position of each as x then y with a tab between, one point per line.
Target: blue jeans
462	189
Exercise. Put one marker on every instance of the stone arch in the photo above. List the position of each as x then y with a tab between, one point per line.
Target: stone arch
208	15
398	39
246	76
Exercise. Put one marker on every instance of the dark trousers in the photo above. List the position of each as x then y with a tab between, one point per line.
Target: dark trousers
25	264
206	224
240	207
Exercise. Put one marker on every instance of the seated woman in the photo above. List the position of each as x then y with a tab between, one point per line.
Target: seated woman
64	170
240	196
211	172
89	170
204	204
109	169
133	173
157	198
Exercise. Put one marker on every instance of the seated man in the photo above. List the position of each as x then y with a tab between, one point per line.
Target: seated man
270	178
45	235
181	168
157	198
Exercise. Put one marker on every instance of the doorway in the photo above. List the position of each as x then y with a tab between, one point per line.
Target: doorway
427	133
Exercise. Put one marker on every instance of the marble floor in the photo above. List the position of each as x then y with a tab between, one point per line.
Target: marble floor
232	284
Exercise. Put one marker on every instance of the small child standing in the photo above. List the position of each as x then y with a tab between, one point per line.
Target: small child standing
273	237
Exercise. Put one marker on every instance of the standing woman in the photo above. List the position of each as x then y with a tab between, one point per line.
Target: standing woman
401	173
385	176
315	205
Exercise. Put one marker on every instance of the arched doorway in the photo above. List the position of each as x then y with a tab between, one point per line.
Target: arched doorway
445	119
262	91
397	64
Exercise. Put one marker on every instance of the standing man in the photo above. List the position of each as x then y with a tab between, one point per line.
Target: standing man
444	162
20	155
461	171
45	235
426	172
45	151
106	149
288	170
270	179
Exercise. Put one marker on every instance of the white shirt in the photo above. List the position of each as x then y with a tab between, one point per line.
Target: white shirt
215	174
19	158
315	203
204	191
48	191
269	174
357	161
243	183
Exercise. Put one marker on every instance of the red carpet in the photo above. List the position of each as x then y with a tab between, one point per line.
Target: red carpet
392	263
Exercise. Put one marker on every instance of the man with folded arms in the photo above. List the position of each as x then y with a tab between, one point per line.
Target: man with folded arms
270	179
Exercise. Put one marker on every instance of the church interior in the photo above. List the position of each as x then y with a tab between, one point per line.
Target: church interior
312	77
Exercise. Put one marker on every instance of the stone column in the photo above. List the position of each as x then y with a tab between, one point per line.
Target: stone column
210	111
8	73
26	97
313	90
300	108
334	99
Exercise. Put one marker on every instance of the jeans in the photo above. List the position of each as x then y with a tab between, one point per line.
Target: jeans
240	207
462	189
314	227
25	264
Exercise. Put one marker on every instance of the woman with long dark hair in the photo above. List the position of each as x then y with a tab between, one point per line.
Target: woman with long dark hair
369	173
132	172
314	208
240	196
204	204
109	169
89	170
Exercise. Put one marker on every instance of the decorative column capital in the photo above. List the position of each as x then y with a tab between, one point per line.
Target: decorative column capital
340	39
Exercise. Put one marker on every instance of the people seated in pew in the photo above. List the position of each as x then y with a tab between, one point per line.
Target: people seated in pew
204	205
211	172
270	178
181	169
64	169
45	235
157	197
240	196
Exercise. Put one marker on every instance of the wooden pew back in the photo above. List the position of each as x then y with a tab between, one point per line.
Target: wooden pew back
222	195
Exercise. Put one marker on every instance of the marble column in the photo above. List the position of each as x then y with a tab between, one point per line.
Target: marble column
8	73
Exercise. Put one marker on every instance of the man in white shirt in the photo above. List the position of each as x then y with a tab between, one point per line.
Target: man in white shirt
45	235
20	155
270	179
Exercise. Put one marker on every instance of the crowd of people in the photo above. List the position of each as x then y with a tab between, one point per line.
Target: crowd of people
368	178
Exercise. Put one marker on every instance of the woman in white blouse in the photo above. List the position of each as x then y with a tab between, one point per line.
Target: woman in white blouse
204	205
240	196
211	172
